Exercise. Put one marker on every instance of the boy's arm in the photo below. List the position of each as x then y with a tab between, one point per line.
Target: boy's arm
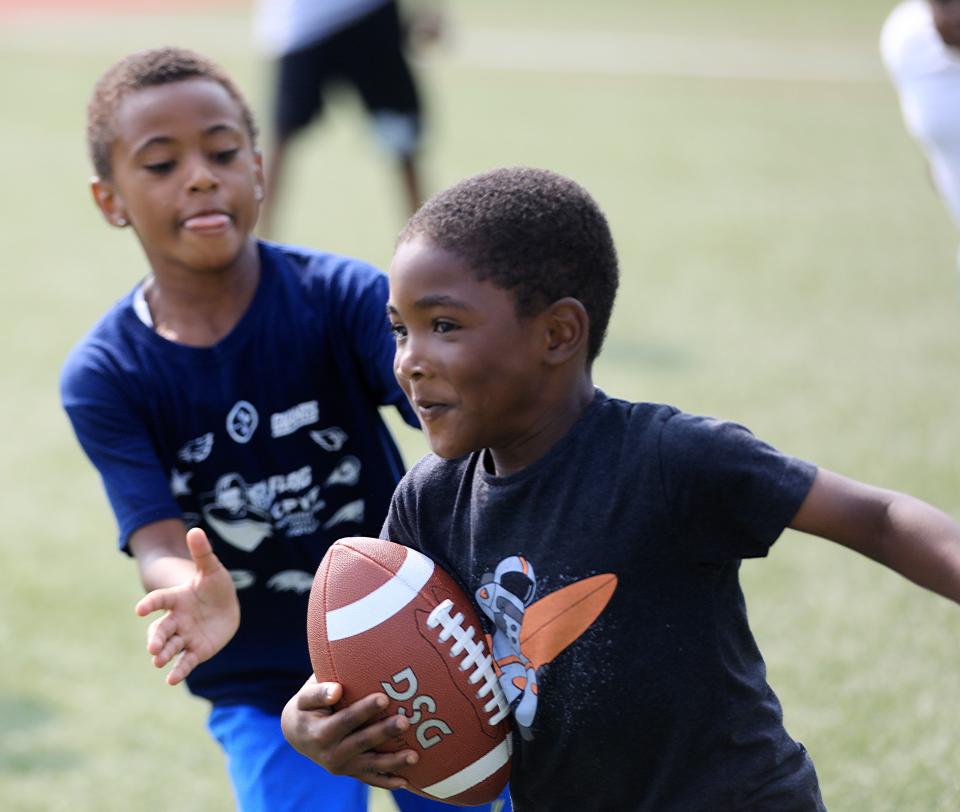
343	741
903	533
186	579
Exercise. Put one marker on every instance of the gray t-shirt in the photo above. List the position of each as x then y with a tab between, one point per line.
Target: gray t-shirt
608	572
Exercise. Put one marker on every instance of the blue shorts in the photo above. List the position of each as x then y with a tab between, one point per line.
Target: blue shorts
268	775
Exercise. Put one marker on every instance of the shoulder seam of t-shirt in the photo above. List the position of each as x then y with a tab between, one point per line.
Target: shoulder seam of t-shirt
674	412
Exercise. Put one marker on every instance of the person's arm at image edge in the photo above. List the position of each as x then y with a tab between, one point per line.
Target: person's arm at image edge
899	531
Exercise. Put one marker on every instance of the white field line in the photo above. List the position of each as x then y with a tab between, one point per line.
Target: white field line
641	54
597	52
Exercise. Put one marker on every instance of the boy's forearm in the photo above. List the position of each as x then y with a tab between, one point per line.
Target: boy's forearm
162	555
905	534
923	544
161	571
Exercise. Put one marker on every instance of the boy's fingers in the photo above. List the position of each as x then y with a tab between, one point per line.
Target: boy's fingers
371	767
170	649
160	633
380	775
386	764
182	668
384	781
319	696
359	715
201	552
152	602
361	734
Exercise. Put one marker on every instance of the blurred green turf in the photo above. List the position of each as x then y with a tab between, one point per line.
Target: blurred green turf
785	264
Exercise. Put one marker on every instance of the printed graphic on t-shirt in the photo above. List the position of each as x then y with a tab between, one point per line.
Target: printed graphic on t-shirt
197	449
180	482
298	581
350	512
242	421
231	513
347	472
529	634
329	439
285	423
243	514
243	578
292	504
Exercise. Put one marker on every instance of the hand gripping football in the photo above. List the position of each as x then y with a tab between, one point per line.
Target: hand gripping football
384	618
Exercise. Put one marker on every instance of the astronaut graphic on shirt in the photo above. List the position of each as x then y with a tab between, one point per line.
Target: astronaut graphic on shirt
529	634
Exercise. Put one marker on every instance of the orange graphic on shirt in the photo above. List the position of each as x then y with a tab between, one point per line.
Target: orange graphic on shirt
529	634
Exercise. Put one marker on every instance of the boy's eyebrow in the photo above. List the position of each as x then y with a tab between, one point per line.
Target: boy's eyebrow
434	300
216	128
166	139
157	139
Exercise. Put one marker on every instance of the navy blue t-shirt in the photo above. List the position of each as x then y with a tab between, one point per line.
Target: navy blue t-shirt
607	574
271	441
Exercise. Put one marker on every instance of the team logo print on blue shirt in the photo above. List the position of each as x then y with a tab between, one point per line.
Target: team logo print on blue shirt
330	439
197	449
233	516
242	421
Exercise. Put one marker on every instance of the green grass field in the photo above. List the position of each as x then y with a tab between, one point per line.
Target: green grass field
785	264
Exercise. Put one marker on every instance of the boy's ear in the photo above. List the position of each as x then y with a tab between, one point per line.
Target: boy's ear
568	328
108	201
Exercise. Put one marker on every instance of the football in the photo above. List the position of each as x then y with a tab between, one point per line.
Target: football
384	618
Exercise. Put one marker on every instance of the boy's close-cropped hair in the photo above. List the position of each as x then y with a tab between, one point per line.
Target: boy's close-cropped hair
142	69
533	232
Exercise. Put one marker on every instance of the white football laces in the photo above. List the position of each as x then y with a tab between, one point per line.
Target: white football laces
476	658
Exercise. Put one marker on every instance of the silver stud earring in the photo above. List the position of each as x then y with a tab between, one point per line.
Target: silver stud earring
258	194
120	222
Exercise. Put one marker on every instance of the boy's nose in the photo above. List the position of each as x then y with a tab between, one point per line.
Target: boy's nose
408	363
203	178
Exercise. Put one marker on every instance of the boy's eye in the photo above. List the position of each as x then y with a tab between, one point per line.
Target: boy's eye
224	156
159	167
443	326
398	330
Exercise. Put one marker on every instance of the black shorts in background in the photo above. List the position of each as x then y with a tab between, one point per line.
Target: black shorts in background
367	54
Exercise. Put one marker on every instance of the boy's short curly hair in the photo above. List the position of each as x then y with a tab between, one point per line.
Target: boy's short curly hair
142	69
533	232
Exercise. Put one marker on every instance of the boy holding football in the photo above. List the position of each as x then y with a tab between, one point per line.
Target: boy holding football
501	289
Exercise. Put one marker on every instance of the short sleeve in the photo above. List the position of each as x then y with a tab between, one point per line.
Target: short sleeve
363	310
118	444
398	525
729	495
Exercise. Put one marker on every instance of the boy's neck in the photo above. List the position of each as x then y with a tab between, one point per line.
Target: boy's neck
199	308
557	420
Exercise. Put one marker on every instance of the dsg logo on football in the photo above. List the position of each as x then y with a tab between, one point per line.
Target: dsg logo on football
429	731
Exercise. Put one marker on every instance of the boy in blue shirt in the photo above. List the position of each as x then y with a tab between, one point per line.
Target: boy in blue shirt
230	403
624	522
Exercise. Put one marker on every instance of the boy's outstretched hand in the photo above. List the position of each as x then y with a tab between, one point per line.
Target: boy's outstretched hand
202	613
343	741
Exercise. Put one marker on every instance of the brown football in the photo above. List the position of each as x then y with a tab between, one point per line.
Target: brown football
384	618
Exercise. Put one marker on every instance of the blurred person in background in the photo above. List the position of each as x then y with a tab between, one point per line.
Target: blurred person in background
920	45
314	44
